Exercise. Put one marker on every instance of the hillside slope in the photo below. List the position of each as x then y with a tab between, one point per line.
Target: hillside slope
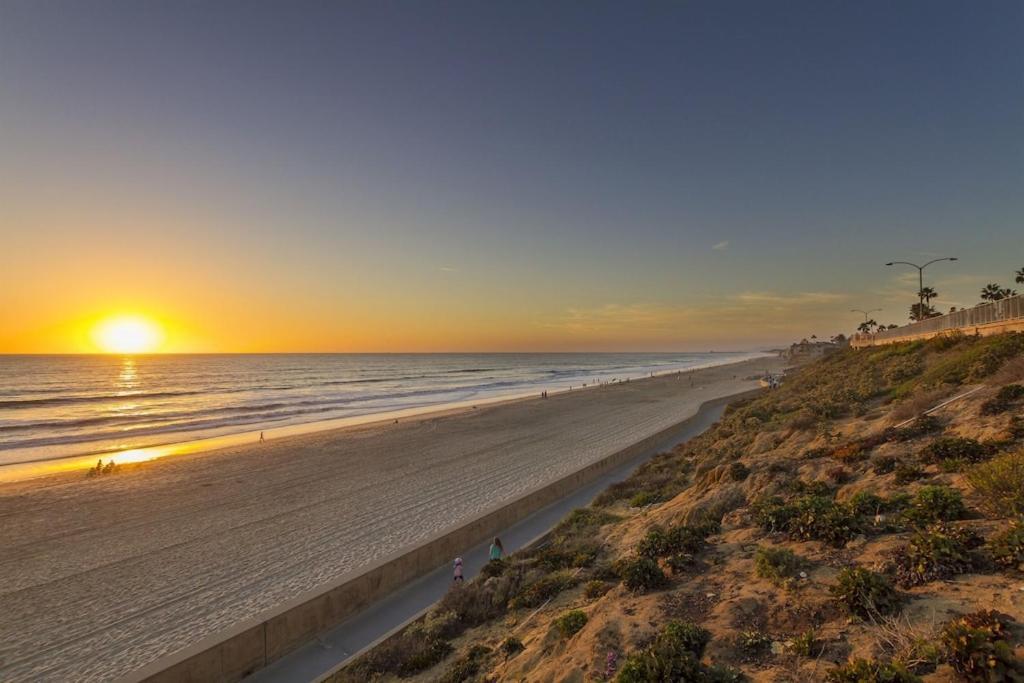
826	530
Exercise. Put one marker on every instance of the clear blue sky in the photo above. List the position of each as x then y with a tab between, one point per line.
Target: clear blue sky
566	175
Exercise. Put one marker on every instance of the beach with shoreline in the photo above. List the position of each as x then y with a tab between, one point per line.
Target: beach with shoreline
102	576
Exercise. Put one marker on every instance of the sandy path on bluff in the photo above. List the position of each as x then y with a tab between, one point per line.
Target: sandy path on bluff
99	577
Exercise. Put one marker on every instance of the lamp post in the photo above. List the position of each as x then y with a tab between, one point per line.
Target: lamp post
866	313
920	278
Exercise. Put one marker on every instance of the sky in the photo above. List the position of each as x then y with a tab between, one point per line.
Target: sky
530	176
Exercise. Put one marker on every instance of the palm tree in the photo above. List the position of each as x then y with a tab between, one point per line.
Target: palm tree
927	294
866	326
993	292
1020	277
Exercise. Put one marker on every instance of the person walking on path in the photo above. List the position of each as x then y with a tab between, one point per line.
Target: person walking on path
457	571
497	549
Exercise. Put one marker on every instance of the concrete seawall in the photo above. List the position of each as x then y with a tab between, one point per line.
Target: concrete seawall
250	645
867	341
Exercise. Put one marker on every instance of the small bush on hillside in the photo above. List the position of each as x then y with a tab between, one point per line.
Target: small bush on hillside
822	519
1004	399
809	488
570	622
673	656
883	464
754	643
738	471
596	588
1000	484
850	453
870	671
583	521
510	647
865	503
865	593
936	504
954	448
493	568
922	426
642	574
681	538
779	565
1007	547
805	645
567	554
904	368
467	666
543	589
807	518
977	649
907	472
941	552
643	499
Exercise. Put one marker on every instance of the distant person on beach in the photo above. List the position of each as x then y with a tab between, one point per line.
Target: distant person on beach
261	437
457	571
497	549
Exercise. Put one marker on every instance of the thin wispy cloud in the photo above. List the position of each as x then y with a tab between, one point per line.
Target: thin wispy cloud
721	246
447	269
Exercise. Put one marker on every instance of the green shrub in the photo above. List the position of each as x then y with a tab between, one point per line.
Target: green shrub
1004	399
738	471
865	503
1007	547
772	513
595	589
570	622
907	472
543	589
424	655
883	464
941	552
682	538
493	568
936	504
673	656
977	649
779	565
1000	484
643	499
680	562
466	666
641	574
954	448
922	426
810	488
806	644
870	671
511	646
865	593
904	368
754	642
822	519
583	521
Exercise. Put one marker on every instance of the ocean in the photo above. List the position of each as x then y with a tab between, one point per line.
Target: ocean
59	406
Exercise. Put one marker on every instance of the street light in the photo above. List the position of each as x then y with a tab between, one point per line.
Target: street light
920	278
858	310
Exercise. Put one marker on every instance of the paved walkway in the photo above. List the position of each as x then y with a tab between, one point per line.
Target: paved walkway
320	658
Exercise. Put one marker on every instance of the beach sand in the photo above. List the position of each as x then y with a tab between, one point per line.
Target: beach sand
99	577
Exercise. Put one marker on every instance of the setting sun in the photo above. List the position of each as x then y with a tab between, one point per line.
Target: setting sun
127	334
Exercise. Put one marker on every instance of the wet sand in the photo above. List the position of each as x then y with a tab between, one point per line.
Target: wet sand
99	577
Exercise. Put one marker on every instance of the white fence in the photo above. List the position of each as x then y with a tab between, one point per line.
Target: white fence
1011	308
